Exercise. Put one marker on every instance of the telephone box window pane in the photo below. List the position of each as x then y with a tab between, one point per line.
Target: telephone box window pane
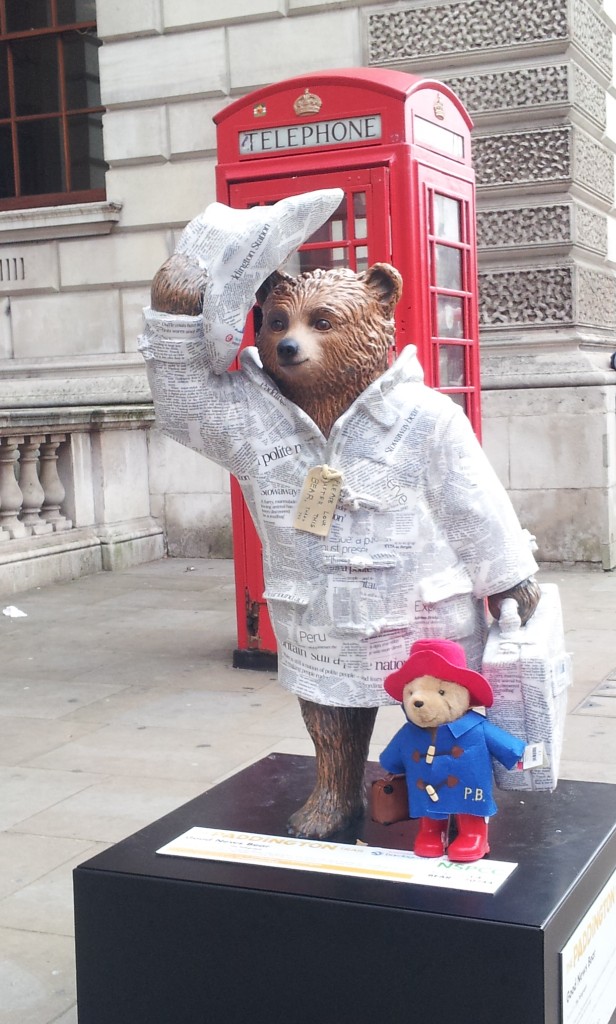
41	157
26	14
451	366
359	213
461	399
446	218
312	259
335	229
448	267
7	180
35	64
86	148
450	316
70	11
81	70
5	108
361	258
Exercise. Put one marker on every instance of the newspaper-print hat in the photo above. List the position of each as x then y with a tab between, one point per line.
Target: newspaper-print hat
446	660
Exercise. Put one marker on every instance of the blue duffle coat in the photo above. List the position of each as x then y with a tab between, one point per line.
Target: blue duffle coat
461	772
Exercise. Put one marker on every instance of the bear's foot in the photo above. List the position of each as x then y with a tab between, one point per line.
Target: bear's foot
322	815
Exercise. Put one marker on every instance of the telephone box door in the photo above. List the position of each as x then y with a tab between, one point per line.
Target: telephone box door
445	288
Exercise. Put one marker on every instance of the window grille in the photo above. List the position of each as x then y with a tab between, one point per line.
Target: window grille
51	141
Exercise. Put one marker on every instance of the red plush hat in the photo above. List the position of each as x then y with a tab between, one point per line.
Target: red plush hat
446	660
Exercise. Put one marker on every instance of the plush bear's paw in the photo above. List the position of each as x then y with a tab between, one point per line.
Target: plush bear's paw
322	815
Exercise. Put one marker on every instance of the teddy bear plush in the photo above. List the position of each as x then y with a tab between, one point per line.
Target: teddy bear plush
420	530
445	749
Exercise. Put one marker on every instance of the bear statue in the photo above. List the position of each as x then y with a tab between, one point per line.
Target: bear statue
421	532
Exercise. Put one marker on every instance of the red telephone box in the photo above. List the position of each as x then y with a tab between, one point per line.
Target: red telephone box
399	147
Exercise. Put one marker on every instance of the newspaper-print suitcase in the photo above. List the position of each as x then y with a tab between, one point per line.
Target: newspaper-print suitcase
529	671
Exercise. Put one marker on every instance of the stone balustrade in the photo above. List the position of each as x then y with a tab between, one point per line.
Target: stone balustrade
31	491
74	492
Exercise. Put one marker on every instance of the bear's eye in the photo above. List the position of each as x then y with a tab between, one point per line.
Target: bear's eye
276	324
322	324
441	693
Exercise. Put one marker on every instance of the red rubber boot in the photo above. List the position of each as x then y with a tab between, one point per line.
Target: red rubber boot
430	840
471	843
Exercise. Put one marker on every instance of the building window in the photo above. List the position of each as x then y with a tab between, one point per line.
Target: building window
51	140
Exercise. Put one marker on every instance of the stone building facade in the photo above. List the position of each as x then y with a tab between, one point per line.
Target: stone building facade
76	427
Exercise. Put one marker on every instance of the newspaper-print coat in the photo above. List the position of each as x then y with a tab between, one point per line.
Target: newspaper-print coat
423	530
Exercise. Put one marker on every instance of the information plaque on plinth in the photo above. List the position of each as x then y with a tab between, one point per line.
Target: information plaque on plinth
174	939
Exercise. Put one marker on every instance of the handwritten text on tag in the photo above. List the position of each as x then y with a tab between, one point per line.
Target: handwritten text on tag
318	500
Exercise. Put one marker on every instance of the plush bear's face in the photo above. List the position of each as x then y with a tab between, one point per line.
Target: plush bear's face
326	335
430	702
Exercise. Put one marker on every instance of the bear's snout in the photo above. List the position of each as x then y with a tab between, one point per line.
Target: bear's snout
288	350
418	703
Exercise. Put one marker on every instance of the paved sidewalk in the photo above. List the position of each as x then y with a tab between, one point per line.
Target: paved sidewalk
118	704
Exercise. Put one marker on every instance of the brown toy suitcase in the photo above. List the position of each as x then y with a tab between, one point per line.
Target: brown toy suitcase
389	801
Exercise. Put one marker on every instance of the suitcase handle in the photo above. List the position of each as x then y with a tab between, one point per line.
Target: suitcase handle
509	621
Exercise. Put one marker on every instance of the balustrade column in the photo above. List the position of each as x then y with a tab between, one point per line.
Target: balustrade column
30	485
11	498
52	485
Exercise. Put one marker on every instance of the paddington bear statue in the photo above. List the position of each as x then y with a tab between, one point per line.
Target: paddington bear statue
416	530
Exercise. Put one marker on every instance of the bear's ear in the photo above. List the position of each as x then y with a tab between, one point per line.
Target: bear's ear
385	281
270	283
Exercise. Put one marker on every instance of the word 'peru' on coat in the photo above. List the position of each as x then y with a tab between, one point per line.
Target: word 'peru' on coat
460	776
423	530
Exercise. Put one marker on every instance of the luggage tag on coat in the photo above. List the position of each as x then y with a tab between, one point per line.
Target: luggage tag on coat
318	500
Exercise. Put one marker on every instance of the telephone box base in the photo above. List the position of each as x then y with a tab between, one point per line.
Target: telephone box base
260	661
165	939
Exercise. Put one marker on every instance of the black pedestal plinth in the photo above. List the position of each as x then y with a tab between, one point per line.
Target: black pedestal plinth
166	940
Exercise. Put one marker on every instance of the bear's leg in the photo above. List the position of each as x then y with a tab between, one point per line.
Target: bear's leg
341	737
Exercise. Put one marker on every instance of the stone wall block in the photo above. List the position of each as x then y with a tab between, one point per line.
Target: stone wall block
541	296
593	166
542	157
79	481
548	296
590	229
549	227
130	259
568	523
307	43
134	300
537	91
173	467
137	135
596	298
592	36
198	525
6	333
120	466
554	451
432	34
180	65
182	14
524	226
75	324
191	126
435	33
28	268
117	18
161	195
